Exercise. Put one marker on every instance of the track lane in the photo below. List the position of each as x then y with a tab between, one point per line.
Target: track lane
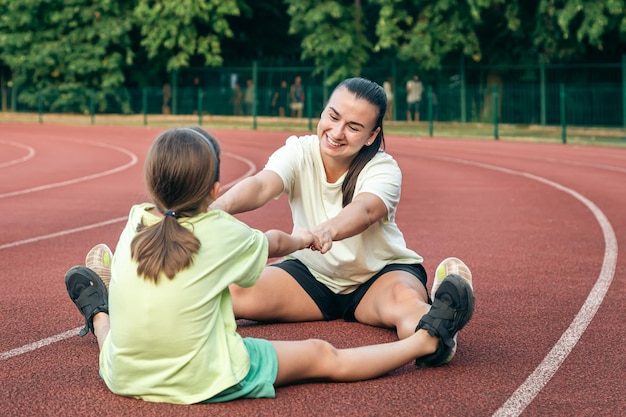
446	207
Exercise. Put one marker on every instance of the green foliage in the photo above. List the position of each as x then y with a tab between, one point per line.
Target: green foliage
55	47
184	28
333	35
569	29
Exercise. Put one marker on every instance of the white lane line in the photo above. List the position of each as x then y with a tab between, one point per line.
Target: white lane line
39	344
535	382
66	335
29	155
133	161
61	233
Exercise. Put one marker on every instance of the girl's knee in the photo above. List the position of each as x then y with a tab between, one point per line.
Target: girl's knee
325	356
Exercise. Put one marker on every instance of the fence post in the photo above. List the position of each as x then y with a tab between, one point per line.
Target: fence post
430	110
542	91
495	113
309	110
145	105
200	96
463	92
14	98
624	90
562	107
394	76
175	92
40	106
92	105
255	77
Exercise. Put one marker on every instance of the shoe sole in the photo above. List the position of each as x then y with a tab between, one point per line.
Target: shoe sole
449	266
99	259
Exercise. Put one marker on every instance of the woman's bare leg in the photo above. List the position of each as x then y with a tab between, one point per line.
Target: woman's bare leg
276	296
395	300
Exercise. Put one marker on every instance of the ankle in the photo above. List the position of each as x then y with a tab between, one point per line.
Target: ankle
100	316
429	343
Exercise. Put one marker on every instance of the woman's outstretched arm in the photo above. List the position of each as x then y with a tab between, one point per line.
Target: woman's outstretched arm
353	219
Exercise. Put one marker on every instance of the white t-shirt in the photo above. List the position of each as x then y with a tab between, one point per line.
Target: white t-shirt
414	91
313	200
176	341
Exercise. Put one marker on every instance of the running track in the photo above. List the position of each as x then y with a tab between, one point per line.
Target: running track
543	227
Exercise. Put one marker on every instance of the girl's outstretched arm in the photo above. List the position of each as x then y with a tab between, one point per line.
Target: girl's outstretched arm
250	193
281	243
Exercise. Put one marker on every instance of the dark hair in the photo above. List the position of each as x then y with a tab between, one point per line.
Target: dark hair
368	90
181	170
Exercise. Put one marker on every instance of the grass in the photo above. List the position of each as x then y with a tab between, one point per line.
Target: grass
506	132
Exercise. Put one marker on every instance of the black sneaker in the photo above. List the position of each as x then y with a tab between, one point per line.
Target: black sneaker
452	309
88	293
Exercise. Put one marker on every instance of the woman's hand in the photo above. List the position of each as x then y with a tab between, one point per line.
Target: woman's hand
322	238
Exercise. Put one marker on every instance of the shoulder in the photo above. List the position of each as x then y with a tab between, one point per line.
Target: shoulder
306	143
223	223
382	167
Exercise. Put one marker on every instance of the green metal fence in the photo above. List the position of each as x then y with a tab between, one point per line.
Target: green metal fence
595	95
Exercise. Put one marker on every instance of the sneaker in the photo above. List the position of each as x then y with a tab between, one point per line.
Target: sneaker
452	309
447	267
88	293
99	259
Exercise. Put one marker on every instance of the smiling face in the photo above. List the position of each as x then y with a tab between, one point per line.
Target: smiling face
346	125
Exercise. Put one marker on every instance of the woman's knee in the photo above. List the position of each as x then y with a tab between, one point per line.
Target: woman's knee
402	292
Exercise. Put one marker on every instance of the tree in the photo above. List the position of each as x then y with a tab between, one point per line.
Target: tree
334	35
56	47
57	50
575	28
180	30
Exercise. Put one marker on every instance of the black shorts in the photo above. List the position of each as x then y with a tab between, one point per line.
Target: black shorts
334	306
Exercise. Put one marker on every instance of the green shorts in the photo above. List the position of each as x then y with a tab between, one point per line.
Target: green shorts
259	383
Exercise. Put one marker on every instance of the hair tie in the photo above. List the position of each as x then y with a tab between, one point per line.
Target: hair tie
171	213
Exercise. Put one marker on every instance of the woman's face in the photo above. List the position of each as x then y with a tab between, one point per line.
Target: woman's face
346	125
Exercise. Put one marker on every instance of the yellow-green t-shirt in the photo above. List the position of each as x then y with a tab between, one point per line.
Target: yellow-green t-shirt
176	340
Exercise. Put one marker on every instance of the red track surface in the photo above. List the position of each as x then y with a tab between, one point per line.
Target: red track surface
543	228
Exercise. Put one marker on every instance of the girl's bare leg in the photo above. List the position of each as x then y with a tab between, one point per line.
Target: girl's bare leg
318	359
101	327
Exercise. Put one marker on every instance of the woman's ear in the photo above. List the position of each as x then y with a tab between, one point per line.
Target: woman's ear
372	137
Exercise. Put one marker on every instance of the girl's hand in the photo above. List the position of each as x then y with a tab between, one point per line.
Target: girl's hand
304	237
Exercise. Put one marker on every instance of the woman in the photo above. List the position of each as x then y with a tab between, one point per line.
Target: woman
344	188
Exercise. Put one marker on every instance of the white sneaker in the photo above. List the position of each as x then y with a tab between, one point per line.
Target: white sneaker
99	259
450	266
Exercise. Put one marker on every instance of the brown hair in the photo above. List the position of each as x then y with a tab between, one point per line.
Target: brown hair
181	170
374	94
